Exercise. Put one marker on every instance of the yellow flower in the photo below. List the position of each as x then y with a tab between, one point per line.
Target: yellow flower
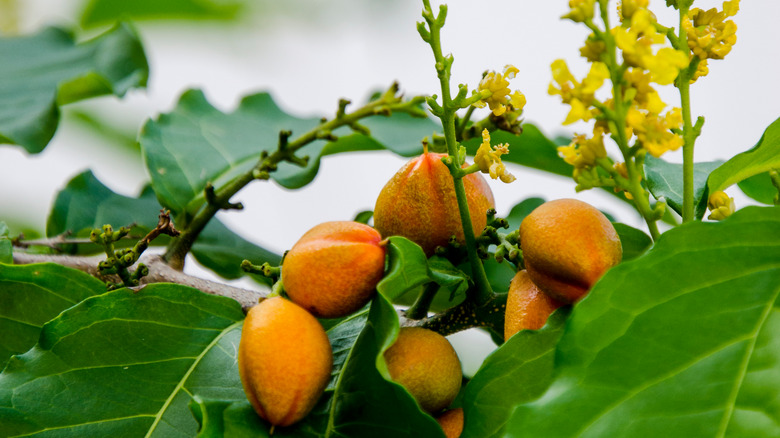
721	206
701	70
581	10
665	65
627	8
646	97
498	85
593	49
579	95
710	35
488	159
653	131
583	152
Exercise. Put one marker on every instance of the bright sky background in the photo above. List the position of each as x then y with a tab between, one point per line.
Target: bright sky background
310	53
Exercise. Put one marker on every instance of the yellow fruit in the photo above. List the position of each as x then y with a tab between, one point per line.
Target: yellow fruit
334	268
527	307
419	203
425	363
451	422
567	246
284	360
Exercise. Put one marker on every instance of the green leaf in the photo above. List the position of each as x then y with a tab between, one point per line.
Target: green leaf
764	156
365	401
222	250
666	179
407	268
98	12
364	216
635	242
86	203
125	364
42	71
31	295
446	275
518	371
196	144
521	210
532	149
680	342
760	188
6	247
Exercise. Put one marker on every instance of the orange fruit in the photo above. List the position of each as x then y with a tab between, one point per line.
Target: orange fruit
527	307
425	363
451	422
419	203
334	268
567	246
284	360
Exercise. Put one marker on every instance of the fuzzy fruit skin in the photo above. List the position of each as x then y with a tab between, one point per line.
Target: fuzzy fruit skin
419	203
451	422
567	246
527	307
334	268
425	363
284	360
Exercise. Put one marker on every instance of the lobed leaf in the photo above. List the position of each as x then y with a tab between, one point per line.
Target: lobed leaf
197	144
43	71
764	156
666	179
679	342
125	364
407	268
31	295
86	203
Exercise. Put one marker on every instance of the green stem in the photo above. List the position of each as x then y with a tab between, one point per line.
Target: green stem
220	198
689	136
483	291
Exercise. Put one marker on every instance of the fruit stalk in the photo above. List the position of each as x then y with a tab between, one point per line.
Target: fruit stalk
482	292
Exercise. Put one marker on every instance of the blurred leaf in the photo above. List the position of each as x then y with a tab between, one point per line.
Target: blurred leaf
666	179
125	364
760	188
680	342
6	249
85	203
520	211
764	156
99	12
222	250
499	274
31	295
635	242
531	149
407	268
517	372
196	144
42	71
364	216
108	130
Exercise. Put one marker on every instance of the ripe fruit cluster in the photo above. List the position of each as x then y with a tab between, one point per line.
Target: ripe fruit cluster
567	246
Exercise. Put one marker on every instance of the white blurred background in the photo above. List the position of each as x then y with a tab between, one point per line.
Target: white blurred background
310	53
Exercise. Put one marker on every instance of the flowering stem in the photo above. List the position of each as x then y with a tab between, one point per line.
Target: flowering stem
689	135
482	292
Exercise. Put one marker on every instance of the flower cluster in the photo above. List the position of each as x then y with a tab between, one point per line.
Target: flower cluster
500	97
488	159
579	95
710	35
